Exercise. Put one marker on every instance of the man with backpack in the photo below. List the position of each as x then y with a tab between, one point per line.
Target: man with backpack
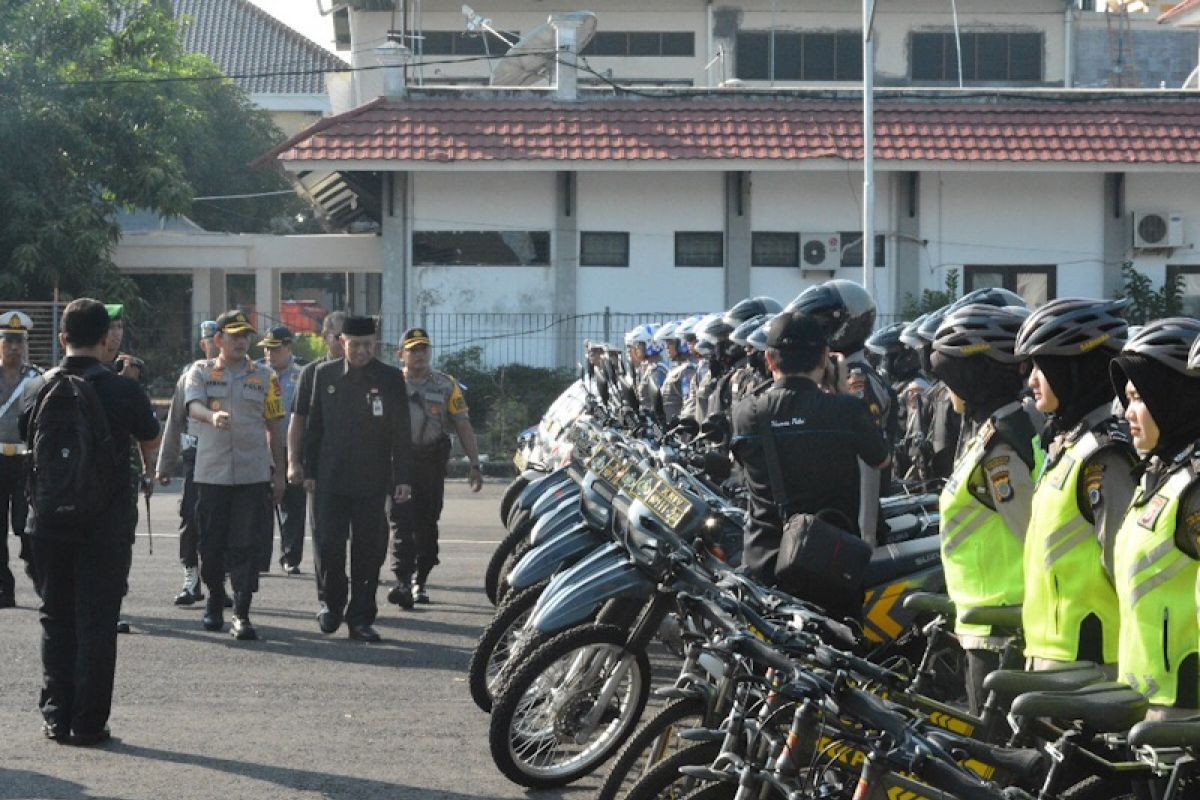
78	425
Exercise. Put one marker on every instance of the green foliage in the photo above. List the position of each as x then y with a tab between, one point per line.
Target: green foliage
931	300
104	110
506	400
309	346
1146	302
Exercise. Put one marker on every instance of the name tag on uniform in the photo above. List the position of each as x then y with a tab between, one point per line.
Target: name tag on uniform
377	406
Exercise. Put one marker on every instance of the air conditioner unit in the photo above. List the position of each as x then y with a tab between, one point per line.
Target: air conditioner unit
1157	229
820	252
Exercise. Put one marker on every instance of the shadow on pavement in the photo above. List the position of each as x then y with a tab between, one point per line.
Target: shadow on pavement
26	785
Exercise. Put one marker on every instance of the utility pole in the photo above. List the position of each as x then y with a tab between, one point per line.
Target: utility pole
868	137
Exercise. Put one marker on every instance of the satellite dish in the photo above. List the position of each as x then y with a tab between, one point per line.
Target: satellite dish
531	60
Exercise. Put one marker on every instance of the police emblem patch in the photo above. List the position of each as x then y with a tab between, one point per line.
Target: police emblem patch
1002	487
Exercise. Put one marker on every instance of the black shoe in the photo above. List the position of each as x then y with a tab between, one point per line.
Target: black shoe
214	617
187	598
419	594
400	596
242	630
7	601
56	733
123	626
289	569
329	620
364	633
91	739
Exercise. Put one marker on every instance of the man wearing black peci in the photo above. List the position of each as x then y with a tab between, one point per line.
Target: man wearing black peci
357	452
81	570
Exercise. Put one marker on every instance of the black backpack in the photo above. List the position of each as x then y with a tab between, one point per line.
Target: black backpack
72	466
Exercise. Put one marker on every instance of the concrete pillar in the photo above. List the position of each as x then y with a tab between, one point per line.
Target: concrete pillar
905	269
208	293
266	296
737	237
396	308
1116	231
566	266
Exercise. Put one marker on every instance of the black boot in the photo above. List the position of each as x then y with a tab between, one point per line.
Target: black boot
401	593
214	611
241	627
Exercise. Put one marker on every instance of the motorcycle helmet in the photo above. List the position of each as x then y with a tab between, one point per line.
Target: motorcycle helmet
1073	326
844	309
669	332
979	329
909	334
758	338
751	307
897	360
742	332
644	335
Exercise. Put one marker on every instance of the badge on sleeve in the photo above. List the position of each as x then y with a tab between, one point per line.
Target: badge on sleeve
1002	487
1093	481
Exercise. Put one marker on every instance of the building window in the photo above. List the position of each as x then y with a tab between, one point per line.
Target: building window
481	248
986	57
460	43
769	249
793	56
1189	287
699	249
642	43
852	255
603	249
1036	284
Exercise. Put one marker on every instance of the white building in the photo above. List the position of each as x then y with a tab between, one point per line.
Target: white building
680	198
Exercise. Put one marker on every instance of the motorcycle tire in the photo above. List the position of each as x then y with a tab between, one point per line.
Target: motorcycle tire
653	743
535	716
664	781
510	496
502	558
497	644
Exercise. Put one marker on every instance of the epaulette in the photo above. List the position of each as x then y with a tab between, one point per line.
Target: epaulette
1016	430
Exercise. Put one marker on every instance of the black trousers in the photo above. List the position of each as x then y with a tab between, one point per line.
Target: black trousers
415	523
81	585
359	520
292	512
233	521
189	531
14	510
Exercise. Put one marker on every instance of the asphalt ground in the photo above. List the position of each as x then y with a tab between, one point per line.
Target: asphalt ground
298	714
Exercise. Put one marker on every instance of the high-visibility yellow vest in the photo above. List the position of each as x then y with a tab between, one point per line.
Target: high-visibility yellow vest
1064	570
981	557
1156	590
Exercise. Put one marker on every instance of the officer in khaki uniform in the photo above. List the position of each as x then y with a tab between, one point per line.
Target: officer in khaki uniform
15	378
239	467
436	406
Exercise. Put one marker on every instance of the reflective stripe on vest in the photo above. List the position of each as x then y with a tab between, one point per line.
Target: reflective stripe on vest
980	555
1156	591
1065	579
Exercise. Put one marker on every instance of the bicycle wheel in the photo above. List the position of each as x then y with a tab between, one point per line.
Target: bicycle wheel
568	707
1097	788
653	742
511	494
502	558
497	642
665	782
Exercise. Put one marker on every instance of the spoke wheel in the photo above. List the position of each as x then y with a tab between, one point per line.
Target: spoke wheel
501	560
651	745
510	496
498	642
550	724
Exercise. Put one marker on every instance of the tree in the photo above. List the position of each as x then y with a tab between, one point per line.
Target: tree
104	110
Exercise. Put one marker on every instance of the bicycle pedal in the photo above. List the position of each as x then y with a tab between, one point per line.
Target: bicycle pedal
701	735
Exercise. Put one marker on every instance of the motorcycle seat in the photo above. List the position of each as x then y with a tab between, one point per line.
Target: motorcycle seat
1102	708
904	558
1167	733
1003	620
927	602
1009	683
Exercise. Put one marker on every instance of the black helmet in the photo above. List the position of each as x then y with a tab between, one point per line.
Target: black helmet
887	340
979	329
751	307
1169	342
1072	326
844	309
713	328
758	337
741	333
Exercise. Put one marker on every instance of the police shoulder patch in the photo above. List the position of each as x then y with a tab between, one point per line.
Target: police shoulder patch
1093	482
1002	486
1153	510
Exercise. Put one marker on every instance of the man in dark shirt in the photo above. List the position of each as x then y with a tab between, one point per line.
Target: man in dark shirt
357	451
819	437
81	573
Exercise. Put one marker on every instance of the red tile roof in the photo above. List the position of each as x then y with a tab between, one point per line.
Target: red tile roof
1100	130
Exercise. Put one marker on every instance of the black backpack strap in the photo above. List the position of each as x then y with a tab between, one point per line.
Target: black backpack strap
762	421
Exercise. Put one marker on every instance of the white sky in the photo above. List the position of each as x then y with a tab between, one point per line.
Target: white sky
304	17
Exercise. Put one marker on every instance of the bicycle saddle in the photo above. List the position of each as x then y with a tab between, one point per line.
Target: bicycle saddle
1004	620
1167	733
1102	708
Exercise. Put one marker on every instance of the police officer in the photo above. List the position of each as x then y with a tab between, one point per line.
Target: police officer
239	468
1159	540
985	505
1070	608
15	378
436	407
357	452
933	432
712	337
677	384
646	355
820	440
899	366
278	346
179	442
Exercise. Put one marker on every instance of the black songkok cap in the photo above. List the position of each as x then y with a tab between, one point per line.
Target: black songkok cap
359	326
